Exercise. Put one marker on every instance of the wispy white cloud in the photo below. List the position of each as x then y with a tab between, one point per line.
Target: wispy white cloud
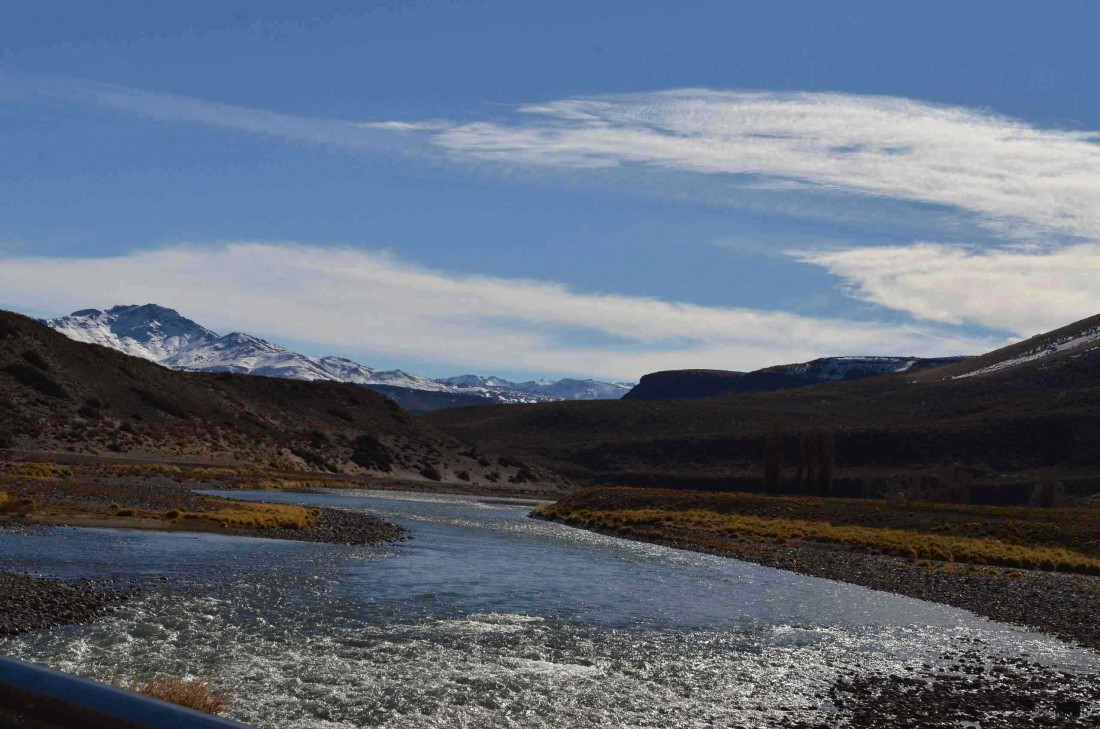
1013	175
373	302
1025	291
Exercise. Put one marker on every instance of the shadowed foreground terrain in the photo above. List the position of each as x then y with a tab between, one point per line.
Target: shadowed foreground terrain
987	430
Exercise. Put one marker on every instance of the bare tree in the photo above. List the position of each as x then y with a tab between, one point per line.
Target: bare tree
773	458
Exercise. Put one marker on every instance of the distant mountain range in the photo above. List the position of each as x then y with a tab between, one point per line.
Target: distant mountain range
163	335
690	384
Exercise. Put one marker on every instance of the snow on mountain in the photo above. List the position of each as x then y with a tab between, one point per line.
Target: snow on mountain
569	389
846	368
345	370
477	381
148	331
1046	346
246	354
164	336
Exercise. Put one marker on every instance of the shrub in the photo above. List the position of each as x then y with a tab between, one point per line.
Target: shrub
114	447
197	694
160	403
484	462
369	452
88	411
341	413
492	476
19	507
173	514
126	512
431	472
6	440
523	475
462	475
36	379
312	459
773	458
35	359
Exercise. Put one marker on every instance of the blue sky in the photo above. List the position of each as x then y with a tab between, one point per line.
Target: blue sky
592	189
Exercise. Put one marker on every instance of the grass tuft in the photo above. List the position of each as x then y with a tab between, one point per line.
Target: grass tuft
194	694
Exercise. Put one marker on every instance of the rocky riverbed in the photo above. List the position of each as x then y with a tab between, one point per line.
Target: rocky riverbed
34	603
968	691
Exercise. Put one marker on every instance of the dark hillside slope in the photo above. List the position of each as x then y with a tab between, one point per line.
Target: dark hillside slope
1006	429
60	395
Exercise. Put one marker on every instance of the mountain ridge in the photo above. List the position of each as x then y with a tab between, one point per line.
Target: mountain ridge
162	335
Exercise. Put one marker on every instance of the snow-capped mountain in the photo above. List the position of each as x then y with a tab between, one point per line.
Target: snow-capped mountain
148	331
162	335
545	390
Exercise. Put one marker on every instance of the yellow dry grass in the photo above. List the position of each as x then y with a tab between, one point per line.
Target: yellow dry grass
194	694
215	473
915	545
3	496
142	468
251	515
38	471
284	484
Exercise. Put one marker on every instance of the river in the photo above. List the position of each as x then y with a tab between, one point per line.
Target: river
486	618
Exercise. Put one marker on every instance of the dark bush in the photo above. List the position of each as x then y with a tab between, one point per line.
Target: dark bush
7	440
370	453
341	413
485	462
35	359
36	379
462	475
312	459
523	475
114	447
89	411
507	462
160	403
492	476
431	472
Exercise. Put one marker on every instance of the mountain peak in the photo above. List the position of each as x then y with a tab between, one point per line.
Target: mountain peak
165	336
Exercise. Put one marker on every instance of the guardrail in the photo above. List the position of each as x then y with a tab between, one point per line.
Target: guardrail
36	697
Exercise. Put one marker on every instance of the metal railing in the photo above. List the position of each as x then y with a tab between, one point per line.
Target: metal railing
36	697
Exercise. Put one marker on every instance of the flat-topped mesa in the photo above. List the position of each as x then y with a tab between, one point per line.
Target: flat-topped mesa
691	384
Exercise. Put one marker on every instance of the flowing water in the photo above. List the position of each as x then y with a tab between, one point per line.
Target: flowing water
487	618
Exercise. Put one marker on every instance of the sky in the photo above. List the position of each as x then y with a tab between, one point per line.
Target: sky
558	189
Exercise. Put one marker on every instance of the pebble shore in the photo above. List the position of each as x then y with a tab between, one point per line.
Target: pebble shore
35	603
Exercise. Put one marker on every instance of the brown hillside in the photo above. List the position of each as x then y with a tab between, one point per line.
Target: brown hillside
66	396
1005	431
